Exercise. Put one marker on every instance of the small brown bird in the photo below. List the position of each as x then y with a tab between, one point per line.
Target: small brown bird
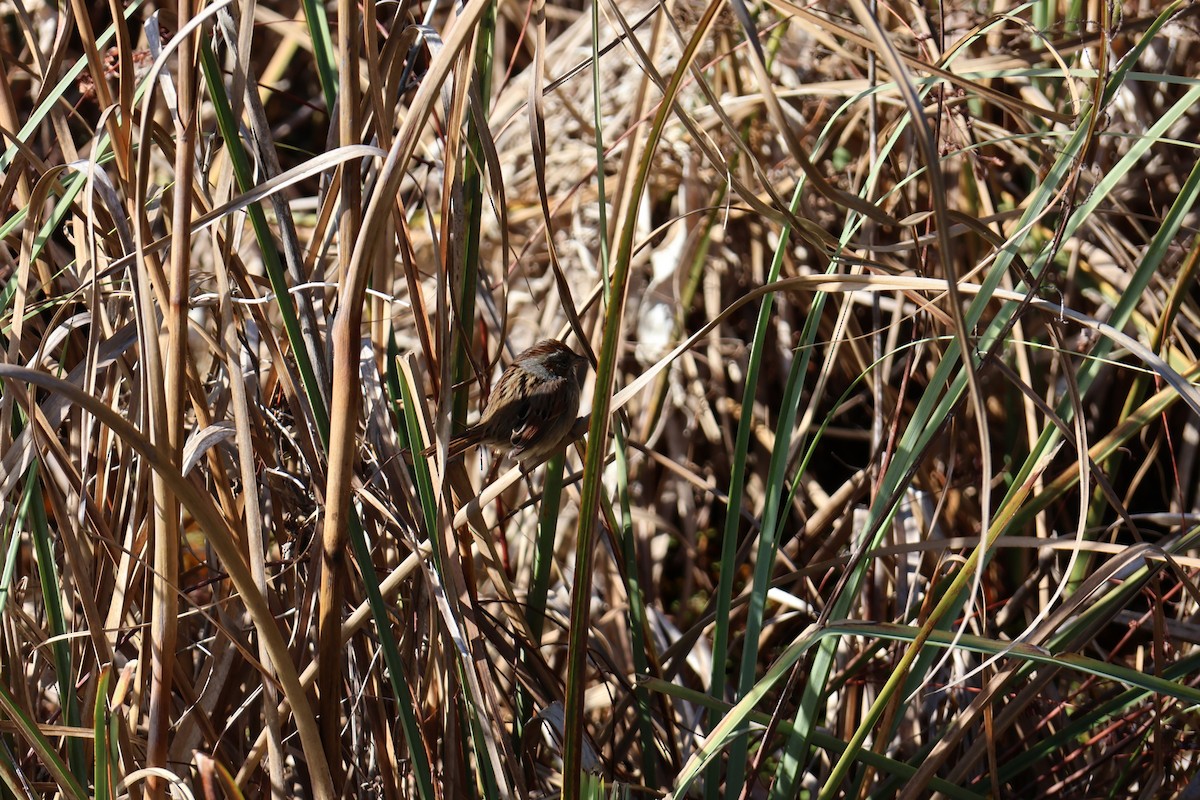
533	407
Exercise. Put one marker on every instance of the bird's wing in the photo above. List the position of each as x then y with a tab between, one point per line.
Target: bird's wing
534	415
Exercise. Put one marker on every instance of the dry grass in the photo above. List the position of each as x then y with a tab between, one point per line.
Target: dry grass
808	548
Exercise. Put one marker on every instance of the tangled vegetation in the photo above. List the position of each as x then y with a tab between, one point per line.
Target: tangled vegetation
887	477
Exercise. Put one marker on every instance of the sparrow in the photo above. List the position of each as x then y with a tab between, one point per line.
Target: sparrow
533	408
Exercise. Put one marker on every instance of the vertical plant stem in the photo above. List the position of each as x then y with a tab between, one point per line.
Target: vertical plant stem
598	433
165	622
329	631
